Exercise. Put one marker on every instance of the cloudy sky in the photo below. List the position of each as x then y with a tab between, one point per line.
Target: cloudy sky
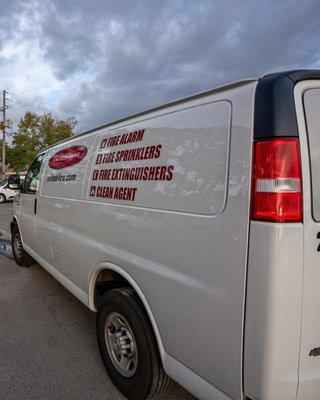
98	60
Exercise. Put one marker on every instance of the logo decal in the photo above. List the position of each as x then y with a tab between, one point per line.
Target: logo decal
67	157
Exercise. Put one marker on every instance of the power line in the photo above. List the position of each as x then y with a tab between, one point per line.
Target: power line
90	121
55	109
33	100
4	125
50	104
76	112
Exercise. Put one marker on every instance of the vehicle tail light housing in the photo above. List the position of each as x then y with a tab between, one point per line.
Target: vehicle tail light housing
277	181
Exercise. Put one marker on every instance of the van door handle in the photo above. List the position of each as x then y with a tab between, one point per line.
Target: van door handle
35	206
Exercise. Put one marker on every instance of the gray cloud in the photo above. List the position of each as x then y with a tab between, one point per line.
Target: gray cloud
118	57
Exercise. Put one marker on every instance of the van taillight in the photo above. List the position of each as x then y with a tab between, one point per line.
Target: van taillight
277	183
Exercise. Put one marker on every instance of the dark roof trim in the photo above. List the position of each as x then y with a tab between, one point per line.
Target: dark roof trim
275	114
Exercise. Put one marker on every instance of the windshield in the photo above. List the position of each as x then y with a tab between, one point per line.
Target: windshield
3	182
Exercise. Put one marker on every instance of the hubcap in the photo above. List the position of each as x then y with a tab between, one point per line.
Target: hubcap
17	245
121	344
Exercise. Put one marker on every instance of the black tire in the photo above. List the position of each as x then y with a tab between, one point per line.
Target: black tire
2	198
20	256
149	380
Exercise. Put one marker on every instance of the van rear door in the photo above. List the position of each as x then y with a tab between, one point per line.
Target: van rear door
307	100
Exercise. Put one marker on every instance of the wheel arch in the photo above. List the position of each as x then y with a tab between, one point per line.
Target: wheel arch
118	277
13	222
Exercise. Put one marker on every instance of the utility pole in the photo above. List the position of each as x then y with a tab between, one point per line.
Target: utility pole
3	127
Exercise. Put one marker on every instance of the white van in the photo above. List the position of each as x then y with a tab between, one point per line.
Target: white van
193	229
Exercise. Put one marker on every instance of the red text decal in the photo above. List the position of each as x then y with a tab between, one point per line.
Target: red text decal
67	157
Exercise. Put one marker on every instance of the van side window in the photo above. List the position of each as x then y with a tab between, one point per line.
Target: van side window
31	184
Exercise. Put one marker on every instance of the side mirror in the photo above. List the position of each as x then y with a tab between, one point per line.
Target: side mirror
14	182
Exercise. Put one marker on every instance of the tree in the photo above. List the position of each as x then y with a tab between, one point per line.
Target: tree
34	133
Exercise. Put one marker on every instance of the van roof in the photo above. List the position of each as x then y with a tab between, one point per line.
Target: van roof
274	104
160	107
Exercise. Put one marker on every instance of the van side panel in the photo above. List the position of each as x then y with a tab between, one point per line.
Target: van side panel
177	161
187	256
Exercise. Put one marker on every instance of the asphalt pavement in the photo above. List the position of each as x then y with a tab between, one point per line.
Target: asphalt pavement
5	216
48	346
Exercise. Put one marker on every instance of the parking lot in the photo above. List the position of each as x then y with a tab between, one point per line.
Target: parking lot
48	346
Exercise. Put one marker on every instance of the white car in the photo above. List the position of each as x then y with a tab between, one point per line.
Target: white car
5	192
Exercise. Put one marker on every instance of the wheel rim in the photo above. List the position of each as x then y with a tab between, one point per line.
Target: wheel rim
17	245
2	198
121	344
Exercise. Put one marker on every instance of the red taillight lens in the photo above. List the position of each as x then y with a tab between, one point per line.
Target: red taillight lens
277	183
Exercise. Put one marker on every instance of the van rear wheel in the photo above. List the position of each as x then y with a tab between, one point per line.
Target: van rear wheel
2	198
20	256
128	346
